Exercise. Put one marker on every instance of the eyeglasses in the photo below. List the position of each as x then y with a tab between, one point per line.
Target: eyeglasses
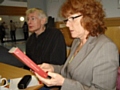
71	18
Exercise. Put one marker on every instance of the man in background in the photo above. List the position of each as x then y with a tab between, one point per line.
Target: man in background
25	30
12	31
2	32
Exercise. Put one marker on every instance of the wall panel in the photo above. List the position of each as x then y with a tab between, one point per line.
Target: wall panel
12	10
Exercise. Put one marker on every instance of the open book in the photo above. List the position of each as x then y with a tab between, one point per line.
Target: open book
26	60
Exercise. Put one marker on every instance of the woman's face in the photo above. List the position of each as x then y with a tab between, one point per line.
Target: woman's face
73	22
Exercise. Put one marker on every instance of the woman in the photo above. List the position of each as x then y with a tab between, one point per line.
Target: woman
93	60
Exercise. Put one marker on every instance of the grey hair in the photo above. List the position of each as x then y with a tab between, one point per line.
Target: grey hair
40	12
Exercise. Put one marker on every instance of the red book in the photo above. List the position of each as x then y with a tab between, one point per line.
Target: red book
26	60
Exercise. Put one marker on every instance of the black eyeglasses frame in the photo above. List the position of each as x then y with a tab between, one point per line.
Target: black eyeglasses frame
72	18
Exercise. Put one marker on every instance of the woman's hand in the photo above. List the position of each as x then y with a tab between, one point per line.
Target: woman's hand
55	80
47	67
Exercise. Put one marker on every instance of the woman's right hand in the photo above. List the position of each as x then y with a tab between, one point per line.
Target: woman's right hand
47	67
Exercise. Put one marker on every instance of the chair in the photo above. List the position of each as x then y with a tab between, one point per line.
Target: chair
8	58
118	80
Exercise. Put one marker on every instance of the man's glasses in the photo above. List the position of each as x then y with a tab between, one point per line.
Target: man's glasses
71	18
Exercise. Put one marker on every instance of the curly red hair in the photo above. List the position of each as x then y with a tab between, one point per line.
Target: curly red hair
92	12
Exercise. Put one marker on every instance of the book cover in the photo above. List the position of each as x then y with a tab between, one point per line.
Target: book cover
26	60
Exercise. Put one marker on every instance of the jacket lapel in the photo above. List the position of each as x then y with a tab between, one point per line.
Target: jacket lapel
82	54
85	50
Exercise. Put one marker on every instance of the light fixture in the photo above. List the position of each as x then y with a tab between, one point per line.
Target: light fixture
0	19
22	18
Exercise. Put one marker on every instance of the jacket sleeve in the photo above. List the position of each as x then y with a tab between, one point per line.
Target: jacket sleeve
104	71
57	68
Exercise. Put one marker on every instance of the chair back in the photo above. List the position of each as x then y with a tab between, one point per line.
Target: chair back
118	80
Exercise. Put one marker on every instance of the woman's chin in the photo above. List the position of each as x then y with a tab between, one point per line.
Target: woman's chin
73	36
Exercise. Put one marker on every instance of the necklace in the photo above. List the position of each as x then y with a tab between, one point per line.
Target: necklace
75	53
71	59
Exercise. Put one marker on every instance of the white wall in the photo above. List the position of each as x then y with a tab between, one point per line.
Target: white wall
112	8
37	4
53	7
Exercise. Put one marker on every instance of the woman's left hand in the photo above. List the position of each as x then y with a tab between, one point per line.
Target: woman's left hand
55	80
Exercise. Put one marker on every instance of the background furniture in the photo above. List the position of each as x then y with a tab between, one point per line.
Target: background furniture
113	31
6	57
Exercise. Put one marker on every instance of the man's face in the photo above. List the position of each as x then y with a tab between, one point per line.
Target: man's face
34	22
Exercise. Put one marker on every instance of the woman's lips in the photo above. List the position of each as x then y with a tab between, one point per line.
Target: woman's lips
71	31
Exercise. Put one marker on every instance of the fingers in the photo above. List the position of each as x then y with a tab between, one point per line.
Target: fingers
39	77
51	74
56	79
47	67
42	65
39	65
46	81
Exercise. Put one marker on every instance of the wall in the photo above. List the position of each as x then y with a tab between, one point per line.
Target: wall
53	7
112	8
113	30
37	3
12	10
14	3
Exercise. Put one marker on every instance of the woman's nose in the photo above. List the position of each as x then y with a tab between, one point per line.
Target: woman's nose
67	24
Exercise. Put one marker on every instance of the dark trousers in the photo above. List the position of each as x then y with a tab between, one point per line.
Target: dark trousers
13	36
1	38
49	88
44	88
25	35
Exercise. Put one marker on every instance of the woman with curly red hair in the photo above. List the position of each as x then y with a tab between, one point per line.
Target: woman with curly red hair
93	60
